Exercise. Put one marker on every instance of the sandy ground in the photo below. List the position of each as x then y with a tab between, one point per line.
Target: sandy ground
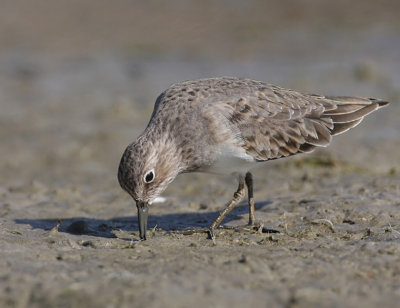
77	83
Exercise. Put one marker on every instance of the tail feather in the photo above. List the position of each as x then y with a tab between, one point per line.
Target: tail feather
344	109
339	128
349	117
380	103
350	112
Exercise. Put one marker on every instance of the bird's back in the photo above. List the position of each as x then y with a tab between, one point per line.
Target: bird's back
265	121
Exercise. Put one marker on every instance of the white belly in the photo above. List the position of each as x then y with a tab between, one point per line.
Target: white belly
232	160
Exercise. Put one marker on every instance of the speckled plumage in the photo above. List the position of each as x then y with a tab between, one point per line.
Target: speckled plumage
227	125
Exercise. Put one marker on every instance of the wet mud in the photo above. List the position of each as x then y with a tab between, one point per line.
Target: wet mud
69	234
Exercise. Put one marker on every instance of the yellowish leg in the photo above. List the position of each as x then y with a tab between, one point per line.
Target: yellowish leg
237	197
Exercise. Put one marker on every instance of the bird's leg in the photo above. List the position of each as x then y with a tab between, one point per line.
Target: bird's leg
249	184
237	197
252	225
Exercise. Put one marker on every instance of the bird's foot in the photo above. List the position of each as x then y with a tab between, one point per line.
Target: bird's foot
190	231
257	227
254	226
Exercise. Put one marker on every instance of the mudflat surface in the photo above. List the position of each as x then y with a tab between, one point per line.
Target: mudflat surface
78	80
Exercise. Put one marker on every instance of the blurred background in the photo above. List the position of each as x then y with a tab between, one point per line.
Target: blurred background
78	78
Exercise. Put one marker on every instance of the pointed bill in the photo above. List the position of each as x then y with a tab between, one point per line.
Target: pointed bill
143	214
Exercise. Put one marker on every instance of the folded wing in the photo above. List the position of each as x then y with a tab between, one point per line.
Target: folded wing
275	122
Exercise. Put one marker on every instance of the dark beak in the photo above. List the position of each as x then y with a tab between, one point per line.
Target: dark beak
143	214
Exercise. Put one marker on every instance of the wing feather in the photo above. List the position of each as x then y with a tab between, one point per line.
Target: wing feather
268	121
275	122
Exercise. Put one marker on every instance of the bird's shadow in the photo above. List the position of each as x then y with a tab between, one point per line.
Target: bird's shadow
105	227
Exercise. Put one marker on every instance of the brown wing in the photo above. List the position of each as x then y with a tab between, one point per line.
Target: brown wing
275	122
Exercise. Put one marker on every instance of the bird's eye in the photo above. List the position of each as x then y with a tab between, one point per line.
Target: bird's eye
149	176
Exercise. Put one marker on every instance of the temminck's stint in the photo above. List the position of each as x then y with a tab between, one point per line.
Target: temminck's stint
228	125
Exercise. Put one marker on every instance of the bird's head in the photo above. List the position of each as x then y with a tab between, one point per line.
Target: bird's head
145	170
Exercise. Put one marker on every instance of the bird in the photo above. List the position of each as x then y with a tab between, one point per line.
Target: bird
229	125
